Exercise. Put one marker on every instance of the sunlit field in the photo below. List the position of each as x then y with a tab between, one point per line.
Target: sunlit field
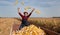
5	25
48	23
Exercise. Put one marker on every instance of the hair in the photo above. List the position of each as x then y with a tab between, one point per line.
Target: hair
25	12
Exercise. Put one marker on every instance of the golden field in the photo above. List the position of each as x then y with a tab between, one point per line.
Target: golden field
5	25
49	23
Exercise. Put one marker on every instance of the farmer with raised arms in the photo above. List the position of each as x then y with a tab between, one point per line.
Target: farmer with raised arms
24	18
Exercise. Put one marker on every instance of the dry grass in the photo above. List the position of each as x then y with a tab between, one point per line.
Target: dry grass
5	25
49	23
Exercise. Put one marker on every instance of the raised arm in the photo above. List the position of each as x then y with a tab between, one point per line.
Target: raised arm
31	12
19	12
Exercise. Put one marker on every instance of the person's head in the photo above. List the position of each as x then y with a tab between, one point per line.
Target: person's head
25	13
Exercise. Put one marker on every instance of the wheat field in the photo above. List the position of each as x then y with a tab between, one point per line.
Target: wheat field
49	23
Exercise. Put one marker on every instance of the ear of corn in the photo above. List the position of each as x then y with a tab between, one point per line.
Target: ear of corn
27	8
16	2
22	3
30	30
37	11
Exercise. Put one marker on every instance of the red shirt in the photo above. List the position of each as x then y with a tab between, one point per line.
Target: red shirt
25	17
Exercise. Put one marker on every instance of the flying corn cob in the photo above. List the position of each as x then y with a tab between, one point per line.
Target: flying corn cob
16	2
27	8
22	3
37	11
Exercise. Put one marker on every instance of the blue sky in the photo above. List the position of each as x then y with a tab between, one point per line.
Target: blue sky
48	8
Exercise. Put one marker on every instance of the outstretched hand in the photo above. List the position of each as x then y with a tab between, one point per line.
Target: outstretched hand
33	9
18	9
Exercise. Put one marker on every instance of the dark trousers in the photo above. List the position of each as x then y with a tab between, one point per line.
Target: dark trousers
24	23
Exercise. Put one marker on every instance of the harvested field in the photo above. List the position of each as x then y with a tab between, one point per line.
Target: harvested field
49	23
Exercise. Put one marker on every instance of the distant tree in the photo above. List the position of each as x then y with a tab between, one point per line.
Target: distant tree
56	17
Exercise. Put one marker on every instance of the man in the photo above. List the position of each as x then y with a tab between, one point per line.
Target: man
24	18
